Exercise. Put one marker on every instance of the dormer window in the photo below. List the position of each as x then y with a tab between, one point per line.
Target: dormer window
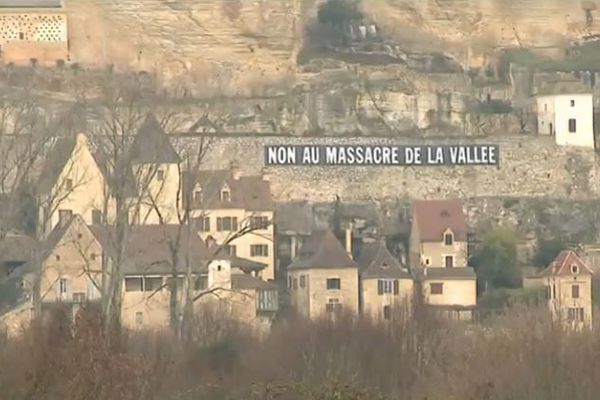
198	196
448	239
160	175
225	195
574	269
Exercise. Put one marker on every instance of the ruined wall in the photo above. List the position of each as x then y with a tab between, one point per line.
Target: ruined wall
529	167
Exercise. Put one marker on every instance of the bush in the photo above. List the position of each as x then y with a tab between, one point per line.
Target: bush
496	260
547	250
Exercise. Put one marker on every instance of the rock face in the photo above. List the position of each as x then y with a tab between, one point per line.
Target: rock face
473	27
227	43
529	167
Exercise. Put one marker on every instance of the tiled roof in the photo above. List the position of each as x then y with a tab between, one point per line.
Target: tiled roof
251	193
152	145
244	281
376	261
561	266
434	217
322	250
450	273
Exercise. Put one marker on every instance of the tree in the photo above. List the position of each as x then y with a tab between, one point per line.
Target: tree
339	12
547	250
496	260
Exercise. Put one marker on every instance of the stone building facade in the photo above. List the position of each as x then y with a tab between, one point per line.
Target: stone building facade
38	32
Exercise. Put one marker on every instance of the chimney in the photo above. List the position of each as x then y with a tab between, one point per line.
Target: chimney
348	240
235	170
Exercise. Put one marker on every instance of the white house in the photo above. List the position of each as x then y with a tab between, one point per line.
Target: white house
565	110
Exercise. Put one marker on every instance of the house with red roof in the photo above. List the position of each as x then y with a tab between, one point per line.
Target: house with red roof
568	282
438	257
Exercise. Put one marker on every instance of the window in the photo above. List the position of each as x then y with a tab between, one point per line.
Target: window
448	239
21	36
198	196
333	306
64	216
230	249
133	284
57	257
79	297
289	282
334	284
574	269
139	318
160	175
302	281
267	300
295	284
227	224
572	125
545	107
385	286
427	261
449	261
572	103
575	314
259	250
225	195
63	286
387	312
202	223
152	284
96	217
259	222
93	256
396	287
69	184
436	288
575	291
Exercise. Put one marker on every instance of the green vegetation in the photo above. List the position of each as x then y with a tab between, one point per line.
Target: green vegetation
502	298
339	12
494	107
547	252
496	260
582	58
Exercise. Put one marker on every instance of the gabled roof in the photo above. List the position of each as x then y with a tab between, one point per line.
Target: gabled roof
251	193
322	250
58	157
148	250
434	217
561	266
152	145
450	273
376	261
244	281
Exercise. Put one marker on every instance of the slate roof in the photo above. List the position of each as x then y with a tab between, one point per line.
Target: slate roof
450	273
152	145
55	163
251	193
434	217
294	218
558	87
244	281
31	3
561	266
148	250
322	250
376	261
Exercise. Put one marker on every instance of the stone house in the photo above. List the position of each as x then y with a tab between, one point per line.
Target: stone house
438	256
71	182
384	283
294	222
33	30
75	254
323	279
568	283
565	110
236	211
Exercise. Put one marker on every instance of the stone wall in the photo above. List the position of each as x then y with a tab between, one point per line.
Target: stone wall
530	166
